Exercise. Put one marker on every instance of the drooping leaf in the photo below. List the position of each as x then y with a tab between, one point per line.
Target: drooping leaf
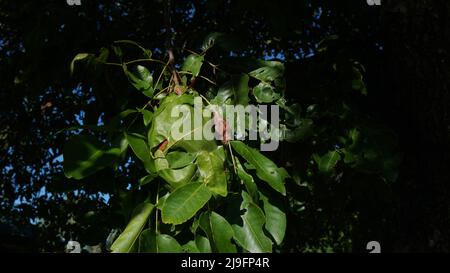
193	64
233	91
247	179
85	155
219	232
79	57
142	151
212	171
275	219
141	79
147	179
150	242
250	235
147	116
266	170
184	202
126	240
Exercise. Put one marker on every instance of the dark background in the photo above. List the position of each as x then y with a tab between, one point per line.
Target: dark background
402	44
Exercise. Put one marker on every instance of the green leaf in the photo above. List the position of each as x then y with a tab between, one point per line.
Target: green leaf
270	71
147	116
178	177
179	159
150	242
184	202
219	231
250	235
85	155
141	79
142	151
237	88
147	179
79	57
266	170
203	244
190	247
212	172
162	122
247	179
265	93
124	243
327	162
275	219
193	64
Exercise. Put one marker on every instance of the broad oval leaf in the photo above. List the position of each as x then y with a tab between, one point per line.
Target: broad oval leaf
193	64
212	171
184	202
266	170
126	240
150	242
219	231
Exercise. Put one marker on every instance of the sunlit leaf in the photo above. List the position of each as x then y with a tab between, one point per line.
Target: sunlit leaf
212	171
126	240
193	64
184	202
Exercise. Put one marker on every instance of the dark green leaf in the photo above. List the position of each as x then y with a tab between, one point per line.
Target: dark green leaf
275	219
142	151
266	170
265	93
327	162
85	155
141	79
250	235
219	231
